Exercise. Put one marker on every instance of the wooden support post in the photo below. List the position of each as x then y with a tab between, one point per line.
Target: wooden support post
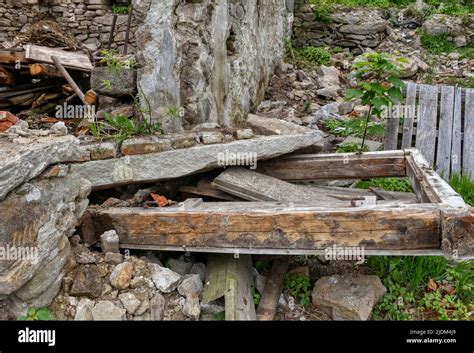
269	302
69	79
127	32
231	277
111	36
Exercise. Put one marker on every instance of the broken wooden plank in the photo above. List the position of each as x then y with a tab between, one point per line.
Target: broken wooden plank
426	122
468	150
231	277
257	226
214	193
177	163
6	77
410	113
456	154
253	186
69	79
268	305
443	157
70	60
12	56
336	166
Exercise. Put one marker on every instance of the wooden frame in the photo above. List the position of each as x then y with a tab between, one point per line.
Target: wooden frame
440	223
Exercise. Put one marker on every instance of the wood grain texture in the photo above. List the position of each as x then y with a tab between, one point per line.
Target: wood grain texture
410	114
443	155
456	152
458	233
391	129
375	227
336	166
426	124
70	60
468	150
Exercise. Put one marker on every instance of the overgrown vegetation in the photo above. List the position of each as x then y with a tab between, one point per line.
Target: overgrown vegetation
120	127
347	147
464	186
437	44
389	184
300	288
423	287
308	56
115	62
37	314
354	127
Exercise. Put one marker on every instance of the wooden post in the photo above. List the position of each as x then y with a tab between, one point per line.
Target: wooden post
111	36
69	79
127	32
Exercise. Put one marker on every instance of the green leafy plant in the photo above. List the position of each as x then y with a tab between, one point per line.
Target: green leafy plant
256	296
378	84
347	147
315	55
389	184
121	127
263	265
300	288
437	44
173	112
220	316
120	9
116	62
354	126
37	314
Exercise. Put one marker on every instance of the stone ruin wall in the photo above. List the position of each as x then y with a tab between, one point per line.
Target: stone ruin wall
90	21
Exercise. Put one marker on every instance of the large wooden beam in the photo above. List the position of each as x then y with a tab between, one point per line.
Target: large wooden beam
336	166
70	60
261	225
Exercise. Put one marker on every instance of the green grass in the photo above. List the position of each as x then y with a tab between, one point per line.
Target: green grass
389	184
437	44
423	286
315	55
464	186
347	147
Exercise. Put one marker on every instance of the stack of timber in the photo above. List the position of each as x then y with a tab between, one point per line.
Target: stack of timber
31	79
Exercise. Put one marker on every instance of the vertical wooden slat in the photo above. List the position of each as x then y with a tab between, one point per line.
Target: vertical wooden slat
427	118
443	157
456	137
468	150
391	129
410	111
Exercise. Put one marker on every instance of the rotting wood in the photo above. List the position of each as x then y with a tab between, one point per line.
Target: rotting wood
336	166
90	97
6	77
267	307
262	225
230	277
214	193
12	56
456	151
253	186
458	233
71	60
391	129
410	113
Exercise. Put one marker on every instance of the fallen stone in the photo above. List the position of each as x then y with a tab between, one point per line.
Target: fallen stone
59	129
164	279
84	310
328	76
175	164
269	126
191	307
114	83
110	242
121	275
129	302
244	134
157	307
211	137
87	282
179	266
113	258
105	310
23	162
348	297
191	285
199	269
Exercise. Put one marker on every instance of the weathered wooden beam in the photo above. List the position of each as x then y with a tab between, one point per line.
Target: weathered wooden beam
253	186
336	166
70	60
12	56
261	225
458	233
268	305
214	193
